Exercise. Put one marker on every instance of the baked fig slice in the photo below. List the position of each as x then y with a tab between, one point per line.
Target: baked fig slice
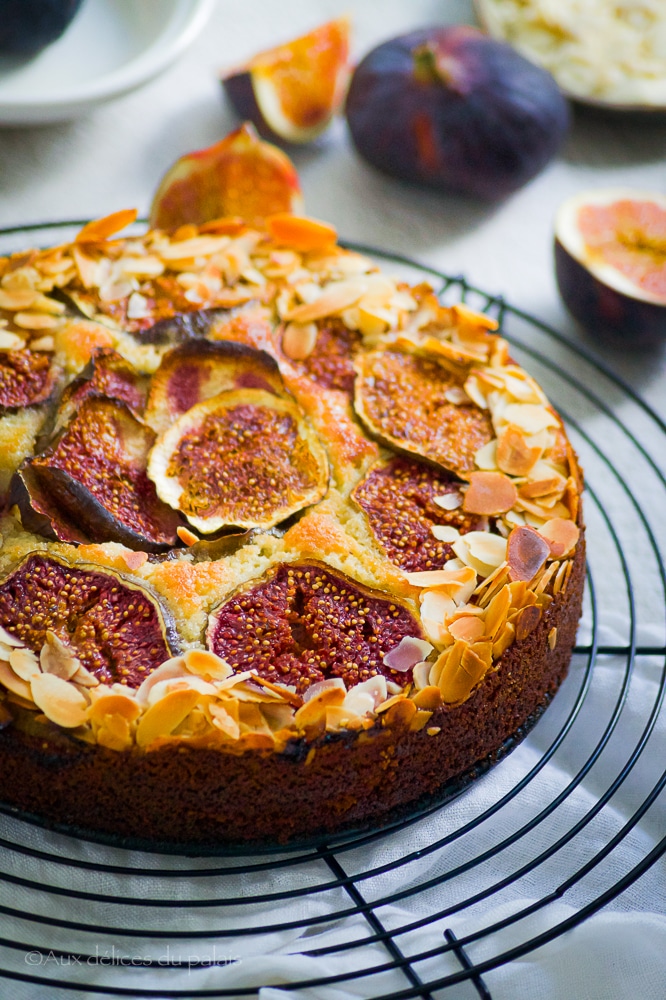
27	378
329	361
239	176
245	458
38	509
292	92
95	472
303	623
610	262
106	374
404	400
116	627
200	369
404	501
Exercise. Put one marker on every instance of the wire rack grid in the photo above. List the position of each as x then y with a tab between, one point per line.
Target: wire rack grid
568	824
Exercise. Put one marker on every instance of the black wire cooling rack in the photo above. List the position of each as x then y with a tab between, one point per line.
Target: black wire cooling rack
571	822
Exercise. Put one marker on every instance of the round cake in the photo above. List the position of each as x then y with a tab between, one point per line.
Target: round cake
289	548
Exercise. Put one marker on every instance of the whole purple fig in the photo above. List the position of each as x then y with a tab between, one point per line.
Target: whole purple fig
452	109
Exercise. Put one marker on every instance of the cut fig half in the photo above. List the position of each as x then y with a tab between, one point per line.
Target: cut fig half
245	458
404	401
116	627
200	369
610	262
303	623
95	473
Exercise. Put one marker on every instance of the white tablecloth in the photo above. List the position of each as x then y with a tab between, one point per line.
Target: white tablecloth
113	158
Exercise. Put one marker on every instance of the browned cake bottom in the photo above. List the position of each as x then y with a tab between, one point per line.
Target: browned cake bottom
186	795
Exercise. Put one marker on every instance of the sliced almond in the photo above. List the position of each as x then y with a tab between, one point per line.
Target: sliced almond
8	639
334	297
514	454
562	536
60	701
14	683
165	715
57	658
17	299
526	621
526	553
449	501
10	341
35	321
445	533
299	340
206	664
409	651
24	663
114	704
437	605
489	493
469	628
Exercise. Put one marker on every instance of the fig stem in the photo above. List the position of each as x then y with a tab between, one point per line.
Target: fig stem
432	66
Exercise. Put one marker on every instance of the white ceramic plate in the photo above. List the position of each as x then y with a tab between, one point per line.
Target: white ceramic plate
110	47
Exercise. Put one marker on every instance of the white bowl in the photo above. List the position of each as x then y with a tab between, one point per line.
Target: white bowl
110	47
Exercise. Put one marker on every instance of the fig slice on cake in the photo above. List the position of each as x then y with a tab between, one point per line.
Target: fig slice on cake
245	458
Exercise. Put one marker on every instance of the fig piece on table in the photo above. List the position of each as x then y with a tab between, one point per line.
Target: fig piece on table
27	378
245	458
116	627
239	176
401	399
610	267
197	370
314	623
403	500
292	92
95	473
450	108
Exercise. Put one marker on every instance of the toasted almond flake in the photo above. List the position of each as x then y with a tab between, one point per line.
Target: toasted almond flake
453	579
46	344
527	551
468	627
321	687
8	639
562	576
542	512
290	697
114	704
445	532
35	321
115	291
531	417
60	702
99	230
299	340
186	536
409	651
436	631
206	664
225	722
57	658
24	663
433	730
17	299
486	457
526	621
135	560
334	297
489	493
175	667
14	683
84	678
166	714
189	249
437	605
374	689
10	341
485	547
137	306
562	536
464	314
514	454
147	266
552	638
449	501
421	676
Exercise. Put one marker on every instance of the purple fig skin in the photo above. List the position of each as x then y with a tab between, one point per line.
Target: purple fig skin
606	313
450	108
238	88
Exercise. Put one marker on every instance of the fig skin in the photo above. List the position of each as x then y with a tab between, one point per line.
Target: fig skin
452	109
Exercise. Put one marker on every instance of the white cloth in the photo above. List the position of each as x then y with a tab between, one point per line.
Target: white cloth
113	158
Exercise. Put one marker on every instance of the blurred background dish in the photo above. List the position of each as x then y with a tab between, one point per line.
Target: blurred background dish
111	47
603	55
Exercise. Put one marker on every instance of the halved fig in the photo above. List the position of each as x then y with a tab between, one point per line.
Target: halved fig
26	378
38	509
200	369
106	374
291	92
245	458
95	472
403	500
239	176
610	264
330	362
116	627
303	623
401	398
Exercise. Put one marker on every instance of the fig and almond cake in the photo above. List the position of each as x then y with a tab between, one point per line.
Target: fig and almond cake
288	547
